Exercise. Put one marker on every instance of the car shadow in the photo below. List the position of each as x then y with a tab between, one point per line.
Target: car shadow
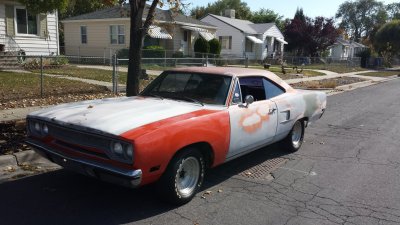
64	197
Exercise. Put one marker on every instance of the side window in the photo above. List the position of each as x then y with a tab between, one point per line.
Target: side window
252	86
271	89
237	95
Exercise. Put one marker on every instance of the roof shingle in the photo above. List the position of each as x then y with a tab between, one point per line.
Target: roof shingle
122	11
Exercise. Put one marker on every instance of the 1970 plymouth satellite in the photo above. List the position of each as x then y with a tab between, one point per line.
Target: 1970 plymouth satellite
186	120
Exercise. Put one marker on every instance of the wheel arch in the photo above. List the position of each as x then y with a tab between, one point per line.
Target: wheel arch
204	148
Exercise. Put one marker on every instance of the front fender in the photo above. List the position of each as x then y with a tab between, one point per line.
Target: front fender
156	148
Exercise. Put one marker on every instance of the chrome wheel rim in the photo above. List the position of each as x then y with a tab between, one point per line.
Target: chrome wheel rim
187	176
297	134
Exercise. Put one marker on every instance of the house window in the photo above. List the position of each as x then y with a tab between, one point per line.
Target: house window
226	42
83	34
26	22
117	34
185	35
249	46
149	41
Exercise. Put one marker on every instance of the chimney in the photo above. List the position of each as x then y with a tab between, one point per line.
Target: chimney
230	13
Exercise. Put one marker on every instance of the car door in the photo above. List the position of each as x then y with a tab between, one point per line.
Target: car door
253	125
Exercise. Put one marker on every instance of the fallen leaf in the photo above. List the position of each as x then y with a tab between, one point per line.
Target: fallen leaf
219	191
207	192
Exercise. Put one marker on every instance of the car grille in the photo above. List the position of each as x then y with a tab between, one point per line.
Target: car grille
68	137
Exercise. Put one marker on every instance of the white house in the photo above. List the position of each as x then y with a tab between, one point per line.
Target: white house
344	49
243	38
103	32
21	30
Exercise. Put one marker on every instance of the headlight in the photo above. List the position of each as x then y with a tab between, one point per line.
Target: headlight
117	148
45	129
122	151
37	127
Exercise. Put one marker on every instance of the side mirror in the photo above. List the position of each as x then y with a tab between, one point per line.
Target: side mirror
249	99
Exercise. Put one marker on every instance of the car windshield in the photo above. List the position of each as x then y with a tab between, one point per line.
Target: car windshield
194	87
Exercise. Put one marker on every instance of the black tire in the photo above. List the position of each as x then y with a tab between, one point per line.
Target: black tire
294	140
171	186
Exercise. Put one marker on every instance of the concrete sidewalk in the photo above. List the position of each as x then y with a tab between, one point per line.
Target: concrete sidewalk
331	75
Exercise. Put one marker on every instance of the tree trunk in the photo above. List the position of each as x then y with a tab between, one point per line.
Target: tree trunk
135	46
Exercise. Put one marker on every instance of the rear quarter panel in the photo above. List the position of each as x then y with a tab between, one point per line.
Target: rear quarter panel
296	105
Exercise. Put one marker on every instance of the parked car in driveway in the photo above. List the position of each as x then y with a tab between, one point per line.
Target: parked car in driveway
185	121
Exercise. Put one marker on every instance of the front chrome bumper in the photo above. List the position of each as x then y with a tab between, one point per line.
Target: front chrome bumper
128	178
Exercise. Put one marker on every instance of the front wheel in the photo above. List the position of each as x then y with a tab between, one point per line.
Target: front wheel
294	140
183	177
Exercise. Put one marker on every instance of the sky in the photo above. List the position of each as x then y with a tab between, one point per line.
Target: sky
287	8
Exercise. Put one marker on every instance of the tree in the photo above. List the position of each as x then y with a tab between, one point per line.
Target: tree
360	17
219	7
267	16
215	46
138	29
79	7
309	37
36	7
387	39
201	45
393	11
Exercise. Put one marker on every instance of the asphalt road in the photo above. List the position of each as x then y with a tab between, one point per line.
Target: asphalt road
347	172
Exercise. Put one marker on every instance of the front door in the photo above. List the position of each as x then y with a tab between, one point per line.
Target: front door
252	126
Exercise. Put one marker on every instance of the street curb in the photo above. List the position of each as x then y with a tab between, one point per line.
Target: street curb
25	157
7	160
354	86
30	157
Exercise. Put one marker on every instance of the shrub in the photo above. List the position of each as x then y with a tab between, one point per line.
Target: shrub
201	46
59	60
177	55
123	53
153	51
215	46
364	55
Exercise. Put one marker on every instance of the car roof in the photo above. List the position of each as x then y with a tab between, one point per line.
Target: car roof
235	72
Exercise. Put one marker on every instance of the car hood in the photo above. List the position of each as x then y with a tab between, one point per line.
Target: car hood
115	115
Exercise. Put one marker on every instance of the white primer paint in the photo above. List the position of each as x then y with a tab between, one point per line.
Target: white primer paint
116	115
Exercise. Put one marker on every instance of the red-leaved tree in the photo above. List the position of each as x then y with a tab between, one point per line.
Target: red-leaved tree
309	37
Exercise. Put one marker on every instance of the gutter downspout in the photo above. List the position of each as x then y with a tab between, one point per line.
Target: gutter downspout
57	34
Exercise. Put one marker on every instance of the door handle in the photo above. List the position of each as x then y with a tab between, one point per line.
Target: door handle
271	111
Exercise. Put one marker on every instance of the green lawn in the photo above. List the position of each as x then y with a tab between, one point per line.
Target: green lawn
381	73
14	86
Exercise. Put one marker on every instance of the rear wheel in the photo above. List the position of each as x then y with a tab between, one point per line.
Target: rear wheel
183	177
294	140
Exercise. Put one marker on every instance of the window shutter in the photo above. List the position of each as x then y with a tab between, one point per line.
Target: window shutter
10	20
230	42
44	33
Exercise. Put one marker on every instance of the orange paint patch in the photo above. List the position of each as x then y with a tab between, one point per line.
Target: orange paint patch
252	121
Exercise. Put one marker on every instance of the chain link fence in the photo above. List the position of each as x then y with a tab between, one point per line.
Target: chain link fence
77	77
42	80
